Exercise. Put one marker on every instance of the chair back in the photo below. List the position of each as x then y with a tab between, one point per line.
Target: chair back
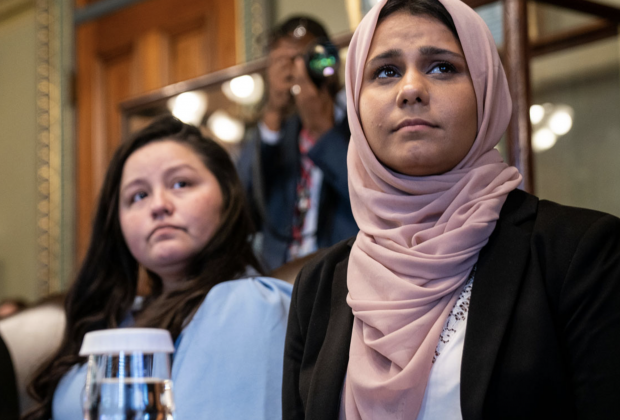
289	271
31	337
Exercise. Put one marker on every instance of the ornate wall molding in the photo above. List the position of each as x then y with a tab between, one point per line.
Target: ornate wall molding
54	232
257	21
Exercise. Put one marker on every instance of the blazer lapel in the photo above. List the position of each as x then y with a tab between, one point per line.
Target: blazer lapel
332	362
501	267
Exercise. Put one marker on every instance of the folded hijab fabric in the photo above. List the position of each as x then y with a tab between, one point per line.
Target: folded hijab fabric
419	236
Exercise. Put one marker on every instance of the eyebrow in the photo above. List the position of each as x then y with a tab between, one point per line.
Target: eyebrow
425	51
138	181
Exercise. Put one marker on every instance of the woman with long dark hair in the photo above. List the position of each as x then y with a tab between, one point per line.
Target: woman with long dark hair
462	296
172	204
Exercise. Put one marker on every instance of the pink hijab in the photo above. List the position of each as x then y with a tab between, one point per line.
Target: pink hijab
419	236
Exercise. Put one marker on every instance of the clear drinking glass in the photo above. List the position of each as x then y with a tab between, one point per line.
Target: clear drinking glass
128	375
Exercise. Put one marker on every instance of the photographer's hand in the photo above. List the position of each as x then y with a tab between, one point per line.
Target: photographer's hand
315	106
280	80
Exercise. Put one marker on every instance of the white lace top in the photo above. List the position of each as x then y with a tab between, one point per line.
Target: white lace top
442	399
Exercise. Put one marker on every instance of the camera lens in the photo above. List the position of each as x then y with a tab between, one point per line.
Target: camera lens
322	61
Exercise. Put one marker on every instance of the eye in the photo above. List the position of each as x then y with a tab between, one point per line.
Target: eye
386	72
180	184
139	196
441	68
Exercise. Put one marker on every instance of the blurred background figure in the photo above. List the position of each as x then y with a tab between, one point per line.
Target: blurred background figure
10	307
294	166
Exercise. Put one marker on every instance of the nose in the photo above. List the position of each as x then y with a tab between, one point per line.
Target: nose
161	205
413	89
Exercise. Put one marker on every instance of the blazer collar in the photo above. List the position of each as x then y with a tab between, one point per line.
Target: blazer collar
501	266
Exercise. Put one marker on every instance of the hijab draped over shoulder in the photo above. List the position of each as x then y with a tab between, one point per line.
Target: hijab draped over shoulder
419	237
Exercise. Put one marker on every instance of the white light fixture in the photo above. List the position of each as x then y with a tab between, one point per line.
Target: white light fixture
543	139
225	127
561	121
242	86
245	90
189	107
537	113
549	122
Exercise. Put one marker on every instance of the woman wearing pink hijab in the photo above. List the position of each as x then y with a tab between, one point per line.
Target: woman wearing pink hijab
462	296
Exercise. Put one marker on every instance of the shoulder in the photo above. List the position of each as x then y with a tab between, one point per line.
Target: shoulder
258	287
316	278
557	219
245	311
549	220
250	303
561	229
244	297
576	236
559	233
228	361
322	266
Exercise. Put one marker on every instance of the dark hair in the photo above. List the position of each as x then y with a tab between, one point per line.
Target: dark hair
287	29
431	8
104	290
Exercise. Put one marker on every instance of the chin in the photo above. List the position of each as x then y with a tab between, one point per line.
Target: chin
170	255
416	167
417	162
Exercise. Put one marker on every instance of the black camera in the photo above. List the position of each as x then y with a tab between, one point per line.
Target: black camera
322	61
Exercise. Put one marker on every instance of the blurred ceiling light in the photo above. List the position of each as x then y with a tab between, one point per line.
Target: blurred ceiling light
225	127
245	90
537	113
242	86
543	139
189	107
549	122
561	121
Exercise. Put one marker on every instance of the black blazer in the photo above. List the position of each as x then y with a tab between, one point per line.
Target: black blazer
543	330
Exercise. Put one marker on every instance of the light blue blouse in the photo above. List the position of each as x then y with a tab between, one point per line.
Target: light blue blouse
228	360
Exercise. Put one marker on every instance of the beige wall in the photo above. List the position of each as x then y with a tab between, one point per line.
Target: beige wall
18	194
332	13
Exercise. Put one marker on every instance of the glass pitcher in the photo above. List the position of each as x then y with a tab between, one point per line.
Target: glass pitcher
128	375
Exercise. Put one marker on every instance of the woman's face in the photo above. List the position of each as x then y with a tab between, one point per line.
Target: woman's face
170	205
417	103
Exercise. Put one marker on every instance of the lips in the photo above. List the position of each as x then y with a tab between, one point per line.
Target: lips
413	123
158	228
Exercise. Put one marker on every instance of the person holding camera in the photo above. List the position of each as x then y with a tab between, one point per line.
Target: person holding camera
294	165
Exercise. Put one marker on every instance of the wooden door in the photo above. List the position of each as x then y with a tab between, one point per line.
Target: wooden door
135	50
